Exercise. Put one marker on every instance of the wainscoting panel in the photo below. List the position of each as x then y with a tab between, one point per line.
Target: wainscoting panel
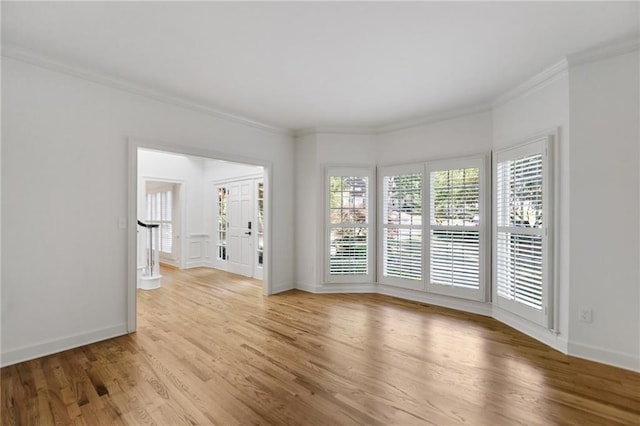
198	250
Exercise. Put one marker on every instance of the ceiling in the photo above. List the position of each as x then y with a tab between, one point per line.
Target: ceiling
331	64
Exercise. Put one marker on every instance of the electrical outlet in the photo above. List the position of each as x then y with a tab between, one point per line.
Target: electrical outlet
586	314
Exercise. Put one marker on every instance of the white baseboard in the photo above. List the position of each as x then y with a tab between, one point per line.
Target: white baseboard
593	353
345	288
309	288
542	334
196	264
281	287
174	263
329	288
471	306
26	353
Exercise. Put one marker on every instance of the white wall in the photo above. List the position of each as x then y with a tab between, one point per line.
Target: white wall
457	137
346	150
217	171
64	165
545	107
605	214
308	214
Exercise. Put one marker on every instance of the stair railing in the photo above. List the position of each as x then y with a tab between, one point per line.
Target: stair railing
151	249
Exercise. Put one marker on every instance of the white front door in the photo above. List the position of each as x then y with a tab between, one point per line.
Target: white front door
240	216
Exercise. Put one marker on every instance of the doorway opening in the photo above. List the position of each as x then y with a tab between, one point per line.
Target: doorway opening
196	210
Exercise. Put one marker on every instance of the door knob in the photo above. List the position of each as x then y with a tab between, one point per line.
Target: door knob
248	233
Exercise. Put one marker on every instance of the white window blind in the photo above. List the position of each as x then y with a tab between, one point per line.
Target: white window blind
456	228
401	220
159	210
522	262
348	225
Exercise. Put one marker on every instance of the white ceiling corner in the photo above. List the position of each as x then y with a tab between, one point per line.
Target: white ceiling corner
360	66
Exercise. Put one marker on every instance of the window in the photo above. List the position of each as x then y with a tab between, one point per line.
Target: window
260	220
159	210
401	226
522	261
349	218
221	240
456	228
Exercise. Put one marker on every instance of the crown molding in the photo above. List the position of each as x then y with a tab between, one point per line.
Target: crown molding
605	50
544	78
434	118
537	82
334	131
33	58
429	119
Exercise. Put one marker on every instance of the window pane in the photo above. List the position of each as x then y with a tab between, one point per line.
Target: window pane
519	192
168	206
455	197
402	199
348	251
348	199
402	250
165	238
158	207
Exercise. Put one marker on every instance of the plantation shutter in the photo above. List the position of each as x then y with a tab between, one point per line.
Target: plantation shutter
401	223
522	262
348	225
456	228
159	210
166	237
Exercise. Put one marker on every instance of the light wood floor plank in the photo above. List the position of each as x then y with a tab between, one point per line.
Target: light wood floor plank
211	349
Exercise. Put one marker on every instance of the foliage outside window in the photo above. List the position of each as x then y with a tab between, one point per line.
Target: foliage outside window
402	226
349	225
455	240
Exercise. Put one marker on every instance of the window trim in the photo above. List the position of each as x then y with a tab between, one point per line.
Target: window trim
483	163
169	191
543	144
395	170
360	171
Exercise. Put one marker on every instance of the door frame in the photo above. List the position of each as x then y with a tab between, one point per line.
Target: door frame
134	144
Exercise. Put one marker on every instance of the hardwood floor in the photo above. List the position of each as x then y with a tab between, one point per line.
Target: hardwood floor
212	350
